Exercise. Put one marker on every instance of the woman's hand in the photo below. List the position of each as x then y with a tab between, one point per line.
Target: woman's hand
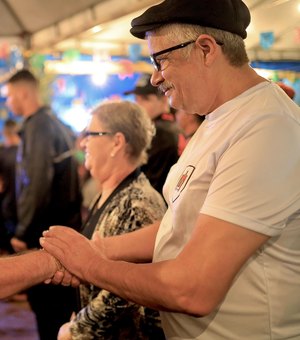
64	332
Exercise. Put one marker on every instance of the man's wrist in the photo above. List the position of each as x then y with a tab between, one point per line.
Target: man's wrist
53	264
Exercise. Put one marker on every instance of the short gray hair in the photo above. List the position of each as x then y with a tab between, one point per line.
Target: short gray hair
233	45
132	121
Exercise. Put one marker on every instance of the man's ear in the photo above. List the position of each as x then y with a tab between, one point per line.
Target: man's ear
207	45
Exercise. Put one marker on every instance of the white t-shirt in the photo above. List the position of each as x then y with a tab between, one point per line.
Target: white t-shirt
242	166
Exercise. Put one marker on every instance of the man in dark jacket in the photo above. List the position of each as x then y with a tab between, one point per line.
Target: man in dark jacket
8	152
164	151
47	190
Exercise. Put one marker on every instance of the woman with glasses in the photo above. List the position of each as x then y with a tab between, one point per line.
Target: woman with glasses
115	143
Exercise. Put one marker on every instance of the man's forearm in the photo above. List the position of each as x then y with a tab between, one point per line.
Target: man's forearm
137	246
148	284
19	272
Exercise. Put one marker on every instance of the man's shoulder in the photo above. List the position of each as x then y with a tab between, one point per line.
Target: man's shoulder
43	114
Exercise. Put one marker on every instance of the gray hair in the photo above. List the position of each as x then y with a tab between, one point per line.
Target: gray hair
132	121
233	45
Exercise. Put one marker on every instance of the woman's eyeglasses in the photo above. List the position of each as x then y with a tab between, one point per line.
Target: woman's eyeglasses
87	133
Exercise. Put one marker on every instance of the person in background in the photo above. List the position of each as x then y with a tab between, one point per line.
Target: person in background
226	255
287	89
47	192
164	148
8	152
188	123
115	143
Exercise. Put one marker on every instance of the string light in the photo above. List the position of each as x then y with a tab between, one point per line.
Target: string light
99	78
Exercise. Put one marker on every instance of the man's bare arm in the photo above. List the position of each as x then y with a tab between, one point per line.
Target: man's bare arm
18	272
137	246
195	282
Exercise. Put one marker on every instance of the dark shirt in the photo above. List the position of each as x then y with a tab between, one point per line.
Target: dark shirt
163	152
47	187
7	173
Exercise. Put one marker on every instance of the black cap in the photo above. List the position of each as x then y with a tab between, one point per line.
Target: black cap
144	86
227	15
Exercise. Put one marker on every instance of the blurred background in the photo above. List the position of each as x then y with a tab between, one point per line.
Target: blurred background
83	52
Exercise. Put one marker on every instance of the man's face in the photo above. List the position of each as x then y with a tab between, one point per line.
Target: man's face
182	78
173	69
14	99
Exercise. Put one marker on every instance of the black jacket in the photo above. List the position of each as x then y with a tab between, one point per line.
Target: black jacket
7	173
163	152
47	183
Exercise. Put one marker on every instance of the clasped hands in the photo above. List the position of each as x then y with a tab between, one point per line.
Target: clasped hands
62	275
72	253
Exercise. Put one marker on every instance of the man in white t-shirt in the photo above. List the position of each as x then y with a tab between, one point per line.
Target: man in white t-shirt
226	256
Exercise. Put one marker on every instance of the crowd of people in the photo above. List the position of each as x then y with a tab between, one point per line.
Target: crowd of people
124	195
193	230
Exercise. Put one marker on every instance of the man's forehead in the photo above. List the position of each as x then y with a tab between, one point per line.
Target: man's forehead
7	89
22	84
156	42
15	86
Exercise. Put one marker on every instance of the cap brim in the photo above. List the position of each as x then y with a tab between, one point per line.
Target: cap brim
139	31
126	93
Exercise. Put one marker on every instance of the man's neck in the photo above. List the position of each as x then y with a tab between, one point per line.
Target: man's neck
31	109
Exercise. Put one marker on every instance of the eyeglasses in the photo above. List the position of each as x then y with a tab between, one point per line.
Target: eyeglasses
156	63
87	133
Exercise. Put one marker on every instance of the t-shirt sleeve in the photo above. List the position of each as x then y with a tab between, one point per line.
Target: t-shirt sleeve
257	180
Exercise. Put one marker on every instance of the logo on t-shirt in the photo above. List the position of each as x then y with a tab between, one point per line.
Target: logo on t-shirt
183	181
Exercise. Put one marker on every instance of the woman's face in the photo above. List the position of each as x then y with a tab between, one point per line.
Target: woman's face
98	151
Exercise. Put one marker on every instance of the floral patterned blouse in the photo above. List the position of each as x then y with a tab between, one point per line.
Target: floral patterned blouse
106	315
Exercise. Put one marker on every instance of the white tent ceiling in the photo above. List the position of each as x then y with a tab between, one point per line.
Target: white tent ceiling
103	25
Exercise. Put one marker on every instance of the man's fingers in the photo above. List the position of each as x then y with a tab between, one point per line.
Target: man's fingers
75	282
64	278
73	250
58	277
55	247
59	232
67	279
